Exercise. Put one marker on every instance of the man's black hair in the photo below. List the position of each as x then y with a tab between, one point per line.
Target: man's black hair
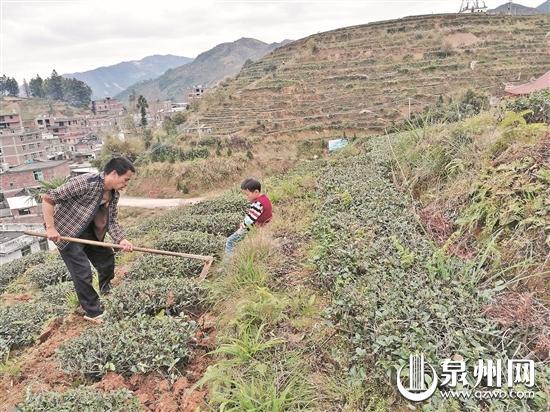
120	164
251	185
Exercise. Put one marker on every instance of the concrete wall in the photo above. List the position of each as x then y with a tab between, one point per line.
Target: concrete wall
11	250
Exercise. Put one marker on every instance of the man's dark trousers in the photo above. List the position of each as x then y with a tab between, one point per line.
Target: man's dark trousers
77	257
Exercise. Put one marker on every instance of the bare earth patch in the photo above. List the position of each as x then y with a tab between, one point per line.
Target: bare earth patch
461	39
40	370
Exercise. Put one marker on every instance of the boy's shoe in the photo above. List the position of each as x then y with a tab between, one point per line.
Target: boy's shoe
98	319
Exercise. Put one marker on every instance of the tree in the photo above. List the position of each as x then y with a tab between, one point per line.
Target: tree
76	92
171	123
26	89
8	86
36	87
3	85
46	185
13	87
54	86
142	105
147	138
132	99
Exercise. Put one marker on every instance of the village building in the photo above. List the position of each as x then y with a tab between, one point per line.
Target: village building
542	83
10	121
195	93
107	107
19	146
29	175
14	243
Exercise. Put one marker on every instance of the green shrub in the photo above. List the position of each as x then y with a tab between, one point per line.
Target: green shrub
81	399
138	345
191	242
21	323
11	270
509	198
538	105
468	105
50	273
161	152
516	130
156	266
172	296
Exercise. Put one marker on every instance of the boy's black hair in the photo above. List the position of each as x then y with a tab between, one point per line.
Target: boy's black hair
120	164
251	185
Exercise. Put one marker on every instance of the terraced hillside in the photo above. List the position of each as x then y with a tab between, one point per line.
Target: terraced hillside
432	240
361	78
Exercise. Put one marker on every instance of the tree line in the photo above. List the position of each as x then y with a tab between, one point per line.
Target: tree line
72	91
8	86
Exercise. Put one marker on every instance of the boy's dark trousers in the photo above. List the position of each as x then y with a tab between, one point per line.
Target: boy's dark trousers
77	257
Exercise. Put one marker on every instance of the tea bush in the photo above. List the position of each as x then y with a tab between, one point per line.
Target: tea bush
230	203
156	224
17	267
156	266
172	296
392	292
81	399
137	345
50	273
59	294
21	323
222	224
191	242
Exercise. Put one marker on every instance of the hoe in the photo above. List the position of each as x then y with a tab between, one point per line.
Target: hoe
206	259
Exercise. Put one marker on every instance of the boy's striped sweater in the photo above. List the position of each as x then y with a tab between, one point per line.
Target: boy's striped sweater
260	212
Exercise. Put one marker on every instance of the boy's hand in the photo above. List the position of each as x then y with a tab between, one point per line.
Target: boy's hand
126	246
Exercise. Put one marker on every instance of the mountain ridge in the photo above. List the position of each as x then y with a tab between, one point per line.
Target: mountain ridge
208	68
112	79
521	10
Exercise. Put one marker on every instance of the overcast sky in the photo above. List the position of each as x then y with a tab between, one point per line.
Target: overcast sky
73	35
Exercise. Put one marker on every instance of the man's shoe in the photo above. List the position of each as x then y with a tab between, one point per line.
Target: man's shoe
105	289
98	319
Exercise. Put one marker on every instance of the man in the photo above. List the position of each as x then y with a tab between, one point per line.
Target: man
86	207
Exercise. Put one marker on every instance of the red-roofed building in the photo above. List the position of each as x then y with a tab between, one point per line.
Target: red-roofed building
541	83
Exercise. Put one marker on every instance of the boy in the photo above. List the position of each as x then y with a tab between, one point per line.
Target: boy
258	214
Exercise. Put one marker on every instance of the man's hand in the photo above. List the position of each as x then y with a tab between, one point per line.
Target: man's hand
126	246
53	234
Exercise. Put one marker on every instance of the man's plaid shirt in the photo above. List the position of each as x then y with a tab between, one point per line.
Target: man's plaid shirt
76	203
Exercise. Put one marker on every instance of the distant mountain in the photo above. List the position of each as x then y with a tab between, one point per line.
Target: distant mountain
110	80
518	9
544	7
207	69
